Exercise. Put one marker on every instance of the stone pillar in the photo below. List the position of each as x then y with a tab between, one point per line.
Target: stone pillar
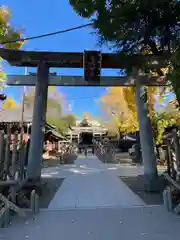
38	123
146	136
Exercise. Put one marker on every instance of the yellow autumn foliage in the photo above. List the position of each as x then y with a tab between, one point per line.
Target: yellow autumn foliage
10	103
119	105
7	34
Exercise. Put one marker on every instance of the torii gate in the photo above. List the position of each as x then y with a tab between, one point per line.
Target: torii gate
45	60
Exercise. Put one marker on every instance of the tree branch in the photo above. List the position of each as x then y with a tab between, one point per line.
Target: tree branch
155	51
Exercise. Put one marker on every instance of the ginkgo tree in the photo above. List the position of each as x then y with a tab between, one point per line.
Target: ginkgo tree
119	105
7	35
119	111
10	103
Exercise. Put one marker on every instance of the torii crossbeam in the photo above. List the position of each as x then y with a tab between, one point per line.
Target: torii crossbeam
31	80
75	60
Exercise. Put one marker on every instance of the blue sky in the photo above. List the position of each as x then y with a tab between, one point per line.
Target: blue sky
38	17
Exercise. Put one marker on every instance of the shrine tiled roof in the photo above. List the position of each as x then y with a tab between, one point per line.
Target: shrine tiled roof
15	115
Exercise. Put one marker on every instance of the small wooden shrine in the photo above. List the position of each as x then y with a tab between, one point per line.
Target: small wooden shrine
12	118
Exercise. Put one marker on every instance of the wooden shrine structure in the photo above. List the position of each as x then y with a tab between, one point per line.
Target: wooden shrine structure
11	118
92	65
86	126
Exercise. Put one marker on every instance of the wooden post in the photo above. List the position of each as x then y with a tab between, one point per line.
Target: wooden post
34	202
6	215
7	152
59	146
13	170
14	154
177	151
22	160
169	199
1	149
167	156
21	150
165	199
171	163
2	217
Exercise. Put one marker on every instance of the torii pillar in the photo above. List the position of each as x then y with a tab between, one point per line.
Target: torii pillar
38	123
151	179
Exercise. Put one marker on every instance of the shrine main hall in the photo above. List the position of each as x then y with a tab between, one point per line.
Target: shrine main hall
86	127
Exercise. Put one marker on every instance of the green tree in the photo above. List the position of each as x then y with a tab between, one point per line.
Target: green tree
54	113
54	101
135	26
63	123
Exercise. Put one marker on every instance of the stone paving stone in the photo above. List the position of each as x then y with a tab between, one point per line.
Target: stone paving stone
101	223
92	203
93	186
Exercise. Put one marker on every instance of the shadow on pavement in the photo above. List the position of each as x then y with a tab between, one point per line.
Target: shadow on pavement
135	183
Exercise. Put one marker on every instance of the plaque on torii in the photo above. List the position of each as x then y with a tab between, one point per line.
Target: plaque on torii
92	61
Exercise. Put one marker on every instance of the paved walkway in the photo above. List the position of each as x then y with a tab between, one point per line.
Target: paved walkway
123	170
92	185
97	224
94	204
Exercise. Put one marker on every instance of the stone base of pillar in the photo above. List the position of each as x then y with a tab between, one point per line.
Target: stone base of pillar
153	183
34	182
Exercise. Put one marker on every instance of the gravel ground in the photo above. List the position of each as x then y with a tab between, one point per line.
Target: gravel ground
48	190
51	185
135	183
55	161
